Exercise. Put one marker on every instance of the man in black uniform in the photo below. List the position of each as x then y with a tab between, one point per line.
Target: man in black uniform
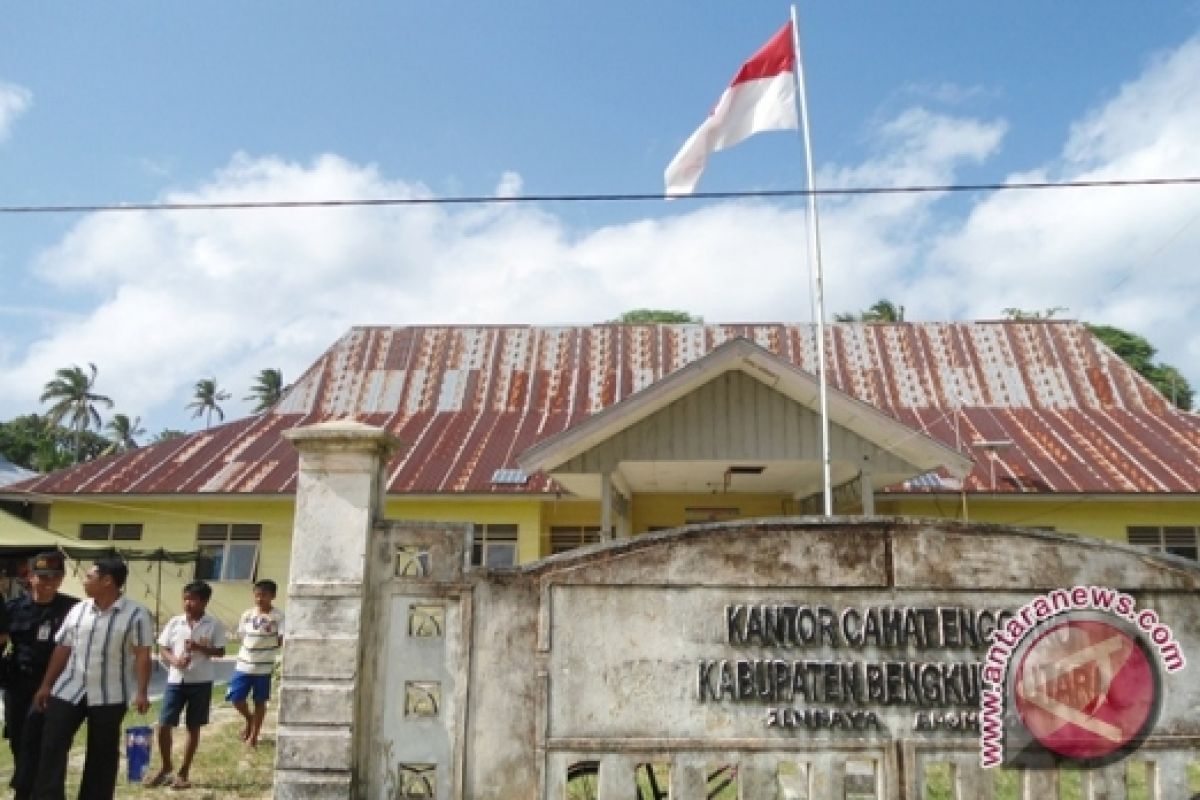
33	621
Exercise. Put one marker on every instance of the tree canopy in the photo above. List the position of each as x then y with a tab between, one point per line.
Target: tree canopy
1021	314
1139	354
123	433
647	316
206	401
32	442
72	397
267	389
883	310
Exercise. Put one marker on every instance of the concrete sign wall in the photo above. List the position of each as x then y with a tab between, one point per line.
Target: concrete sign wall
791	658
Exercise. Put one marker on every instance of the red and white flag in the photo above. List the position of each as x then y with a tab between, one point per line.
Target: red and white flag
762	97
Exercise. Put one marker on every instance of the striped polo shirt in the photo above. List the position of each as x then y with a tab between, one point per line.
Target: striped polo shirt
262	638
100	667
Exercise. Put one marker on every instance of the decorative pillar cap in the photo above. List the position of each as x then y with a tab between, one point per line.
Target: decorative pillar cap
345	435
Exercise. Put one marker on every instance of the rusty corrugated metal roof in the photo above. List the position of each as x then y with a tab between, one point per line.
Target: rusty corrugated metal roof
467	400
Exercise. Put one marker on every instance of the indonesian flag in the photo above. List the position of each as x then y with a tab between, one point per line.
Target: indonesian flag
762	97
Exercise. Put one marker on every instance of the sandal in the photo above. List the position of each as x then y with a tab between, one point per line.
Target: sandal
160	778
181	783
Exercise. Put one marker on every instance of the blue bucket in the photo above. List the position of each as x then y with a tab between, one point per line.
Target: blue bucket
137	751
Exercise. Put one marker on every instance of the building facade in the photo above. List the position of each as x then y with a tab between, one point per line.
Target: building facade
545	439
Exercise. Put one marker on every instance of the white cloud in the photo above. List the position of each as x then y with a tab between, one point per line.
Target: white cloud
14	101
186	295
1119	256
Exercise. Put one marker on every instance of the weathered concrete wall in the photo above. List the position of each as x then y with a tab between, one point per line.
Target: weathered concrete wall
492	684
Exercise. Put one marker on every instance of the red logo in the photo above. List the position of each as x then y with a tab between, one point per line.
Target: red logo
1086	689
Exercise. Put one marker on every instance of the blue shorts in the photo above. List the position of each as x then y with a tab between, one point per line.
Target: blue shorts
196	697
241	684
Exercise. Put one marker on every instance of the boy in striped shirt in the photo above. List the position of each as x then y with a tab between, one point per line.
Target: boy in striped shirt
261	629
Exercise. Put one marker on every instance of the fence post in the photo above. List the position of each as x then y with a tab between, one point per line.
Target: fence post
338	498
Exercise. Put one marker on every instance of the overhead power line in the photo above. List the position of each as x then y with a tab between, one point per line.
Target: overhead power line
246	205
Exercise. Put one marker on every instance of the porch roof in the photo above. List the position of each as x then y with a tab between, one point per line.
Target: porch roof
750	427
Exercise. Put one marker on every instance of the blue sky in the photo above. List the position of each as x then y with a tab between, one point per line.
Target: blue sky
125	102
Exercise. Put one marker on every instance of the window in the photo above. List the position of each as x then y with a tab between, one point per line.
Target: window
568	537
1178	540
111	532
227	552
495	546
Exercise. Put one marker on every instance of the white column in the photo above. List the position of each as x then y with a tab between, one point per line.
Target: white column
866	489
338	498
606	506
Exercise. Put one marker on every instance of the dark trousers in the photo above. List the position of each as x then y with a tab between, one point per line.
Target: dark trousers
16	708
102	759
23	726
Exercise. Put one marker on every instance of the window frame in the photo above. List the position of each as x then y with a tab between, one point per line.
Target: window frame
111	530
583	535
489	538
236	535
1166	539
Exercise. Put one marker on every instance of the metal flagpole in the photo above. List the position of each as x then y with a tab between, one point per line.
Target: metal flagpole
814	249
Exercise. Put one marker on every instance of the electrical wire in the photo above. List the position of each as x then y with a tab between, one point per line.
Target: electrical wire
249	205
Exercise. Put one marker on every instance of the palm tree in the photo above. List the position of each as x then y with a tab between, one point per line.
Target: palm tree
205	400
266	391
73	398
123	433
880	311
884	311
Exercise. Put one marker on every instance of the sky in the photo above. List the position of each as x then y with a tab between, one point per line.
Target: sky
126	102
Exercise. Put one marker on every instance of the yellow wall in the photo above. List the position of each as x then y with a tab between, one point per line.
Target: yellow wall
171	524
669	510
525	513
1101	517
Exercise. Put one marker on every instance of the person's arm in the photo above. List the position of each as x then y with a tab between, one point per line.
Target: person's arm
141	668
58	662
217	640
5	622
166	648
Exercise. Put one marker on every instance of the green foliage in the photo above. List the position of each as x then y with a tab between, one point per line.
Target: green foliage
267	389
32	442
882	310
72	397
166	434
207	399
1022	315
123	433
1139	354
647	316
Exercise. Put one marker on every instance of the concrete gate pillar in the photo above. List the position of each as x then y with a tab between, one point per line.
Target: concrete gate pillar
338	498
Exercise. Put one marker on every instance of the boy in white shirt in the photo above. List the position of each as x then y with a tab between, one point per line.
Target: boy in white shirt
188	643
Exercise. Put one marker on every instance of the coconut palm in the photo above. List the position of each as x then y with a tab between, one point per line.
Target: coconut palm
880	311
205	401
266	391
123	433
73	399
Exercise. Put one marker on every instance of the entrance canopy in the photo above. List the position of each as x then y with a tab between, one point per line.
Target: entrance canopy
20	539
739	419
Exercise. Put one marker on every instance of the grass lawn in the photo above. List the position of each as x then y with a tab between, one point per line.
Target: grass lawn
224	766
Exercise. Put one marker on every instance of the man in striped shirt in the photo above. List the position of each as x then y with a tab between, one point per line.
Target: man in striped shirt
103	642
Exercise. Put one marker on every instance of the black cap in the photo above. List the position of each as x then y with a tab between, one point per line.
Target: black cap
47	565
